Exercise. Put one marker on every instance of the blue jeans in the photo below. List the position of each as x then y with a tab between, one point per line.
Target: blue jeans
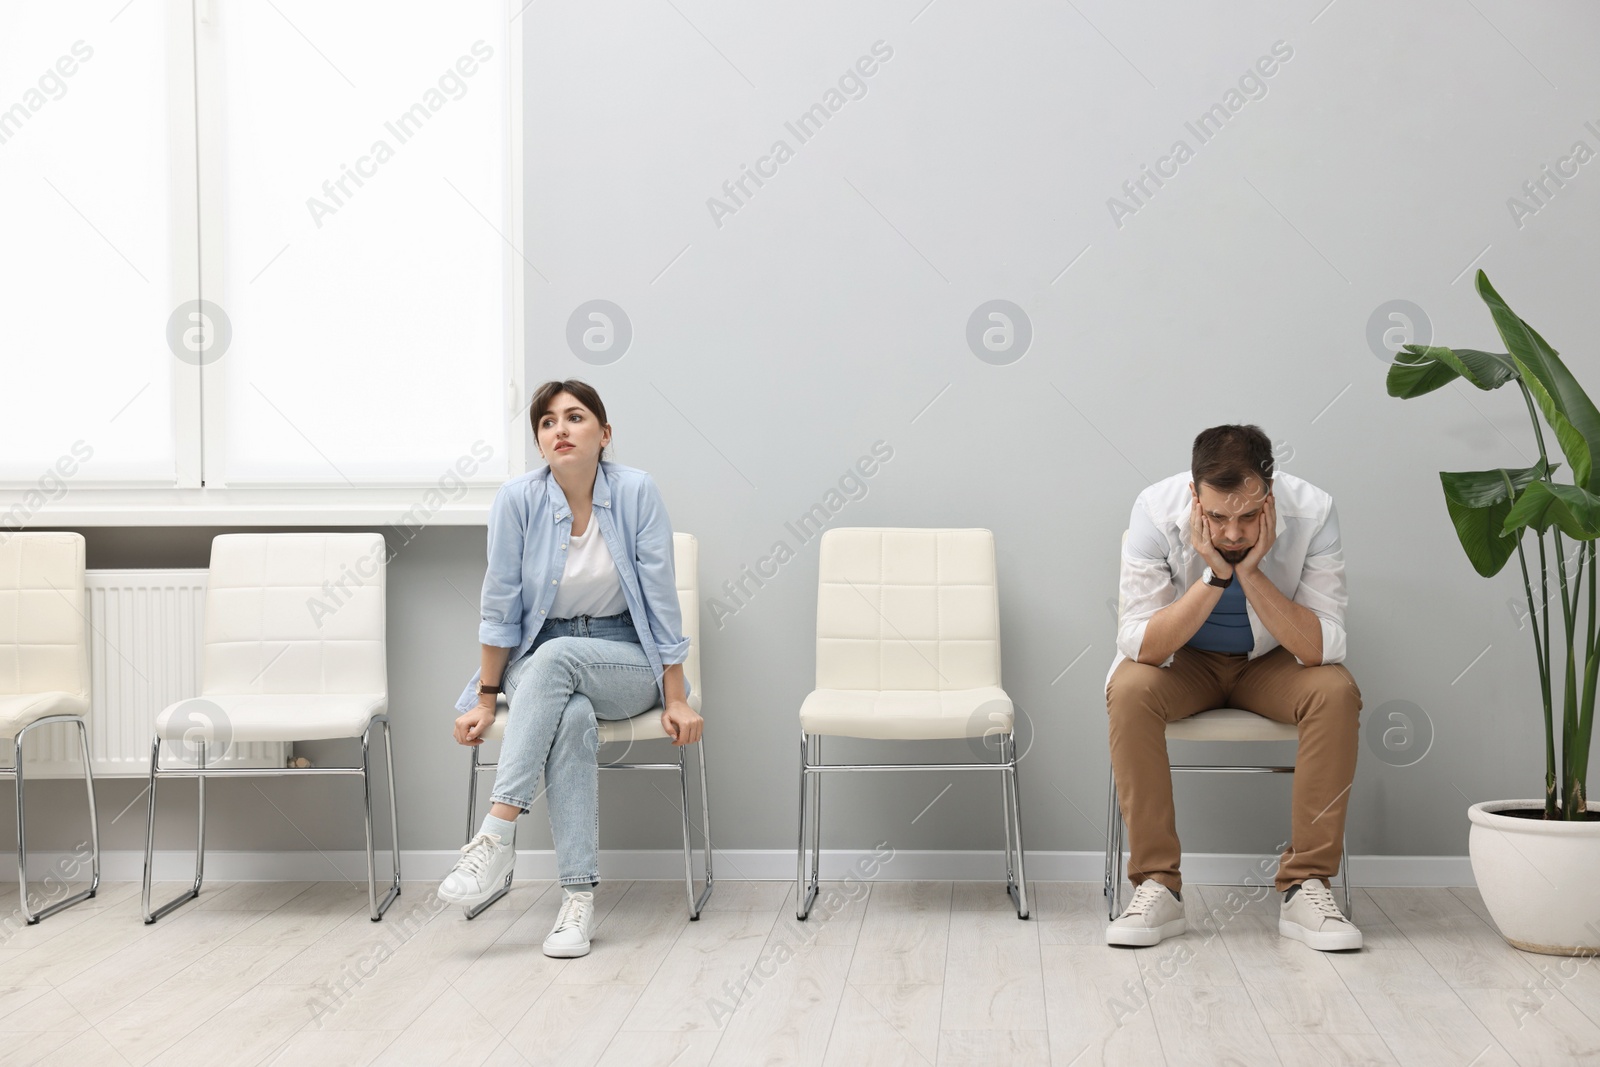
578	670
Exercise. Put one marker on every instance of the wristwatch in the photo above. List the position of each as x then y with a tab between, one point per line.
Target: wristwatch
485	690
1209	576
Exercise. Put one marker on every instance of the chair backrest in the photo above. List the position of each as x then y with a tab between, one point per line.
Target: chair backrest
295	613
44	624
686	568
907	609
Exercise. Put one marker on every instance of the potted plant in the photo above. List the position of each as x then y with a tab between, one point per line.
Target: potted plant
1537	862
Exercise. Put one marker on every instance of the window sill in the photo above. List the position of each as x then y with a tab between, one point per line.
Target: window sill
410	506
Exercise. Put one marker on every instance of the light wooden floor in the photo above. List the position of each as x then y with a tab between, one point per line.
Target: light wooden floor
909	973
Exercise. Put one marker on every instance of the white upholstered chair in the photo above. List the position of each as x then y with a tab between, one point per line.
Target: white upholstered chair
44	669
645	727
1219	724
294	651
908	649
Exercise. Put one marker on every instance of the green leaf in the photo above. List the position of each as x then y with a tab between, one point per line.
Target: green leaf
1486	370
1480	532
1542	505
1567	408
1480	489
1419	369
1415	372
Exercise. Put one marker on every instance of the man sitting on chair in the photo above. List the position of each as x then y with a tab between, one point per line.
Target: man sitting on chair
1233	596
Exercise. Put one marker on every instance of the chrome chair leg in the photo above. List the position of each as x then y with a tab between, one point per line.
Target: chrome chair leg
1019	889
816	813
478	909
28	914
1344	880
22	833
94	814
1114	851
375	909
705	814
394	807
479	766
803	894
150	837
1114	874
683	793
472	796
1109	886
815	877
696	903
1005	797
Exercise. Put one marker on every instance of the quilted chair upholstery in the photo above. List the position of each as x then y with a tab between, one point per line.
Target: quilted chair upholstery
908	637
294	651
908	649
44	671
44	651
297	616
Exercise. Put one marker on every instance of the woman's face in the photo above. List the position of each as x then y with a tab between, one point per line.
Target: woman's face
569	434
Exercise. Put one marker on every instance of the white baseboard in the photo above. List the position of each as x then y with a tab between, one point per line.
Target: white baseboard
732	865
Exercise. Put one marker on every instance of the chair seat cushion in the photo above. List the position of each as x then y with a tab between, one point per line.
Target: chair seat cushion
270	716
646	727
1230	724
19	709
907	714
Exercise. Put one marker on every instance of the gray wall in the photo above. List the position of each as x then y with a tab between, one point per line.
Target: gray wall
830	311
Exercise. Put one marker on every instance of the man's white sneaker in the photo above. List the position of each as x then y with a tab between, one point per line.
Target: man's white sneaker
480	872
570	937
1153	914
1312	918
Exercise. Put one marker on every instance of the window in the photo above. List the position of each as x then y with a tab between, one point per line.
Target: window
94	164
274	267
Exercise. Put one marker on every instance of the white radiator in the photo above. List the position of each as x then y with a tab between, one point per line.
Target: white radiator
146	628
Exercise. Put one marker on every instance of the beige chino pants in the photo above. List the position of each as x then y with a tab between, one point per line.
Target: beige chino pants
1322	701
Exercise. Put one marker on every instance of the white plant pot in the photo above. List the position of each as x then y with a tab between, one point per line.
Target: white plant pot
1539	879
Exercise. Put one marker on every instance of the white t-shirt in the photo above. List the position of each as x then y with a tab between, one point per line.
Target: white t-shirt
589	581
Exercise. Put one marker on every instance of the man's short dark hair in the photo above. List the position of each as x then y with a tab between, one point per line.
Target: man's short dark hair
1226	456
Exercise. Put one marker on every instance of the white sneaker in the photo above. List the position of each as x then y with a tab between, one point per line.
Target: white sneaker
570	937
1312	918
480	872
1153	914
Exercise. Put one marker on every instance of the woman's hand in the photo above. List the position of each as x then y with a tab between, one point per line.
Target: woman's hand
471	727
681	722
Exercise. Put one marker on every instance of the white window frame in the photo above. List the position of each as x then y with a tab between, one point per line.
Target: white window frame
197	497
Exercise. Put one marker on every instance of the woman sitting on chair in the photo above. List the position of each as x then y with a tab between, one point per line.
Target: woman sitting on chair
580	622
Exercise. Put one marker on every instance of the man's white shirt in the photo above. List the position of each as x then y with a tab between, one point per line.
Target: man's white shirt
1159	564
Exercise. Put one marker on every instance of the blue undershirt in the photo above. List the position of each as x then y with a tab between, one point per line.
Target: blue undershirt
1227	628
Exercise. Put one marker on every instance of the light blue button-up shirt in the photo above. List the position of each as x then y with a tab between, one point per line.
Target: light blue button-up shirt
529	526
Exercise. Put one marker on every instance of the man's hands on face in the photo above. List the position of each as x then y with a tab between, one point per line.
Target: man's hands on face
1200	538
1264	540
